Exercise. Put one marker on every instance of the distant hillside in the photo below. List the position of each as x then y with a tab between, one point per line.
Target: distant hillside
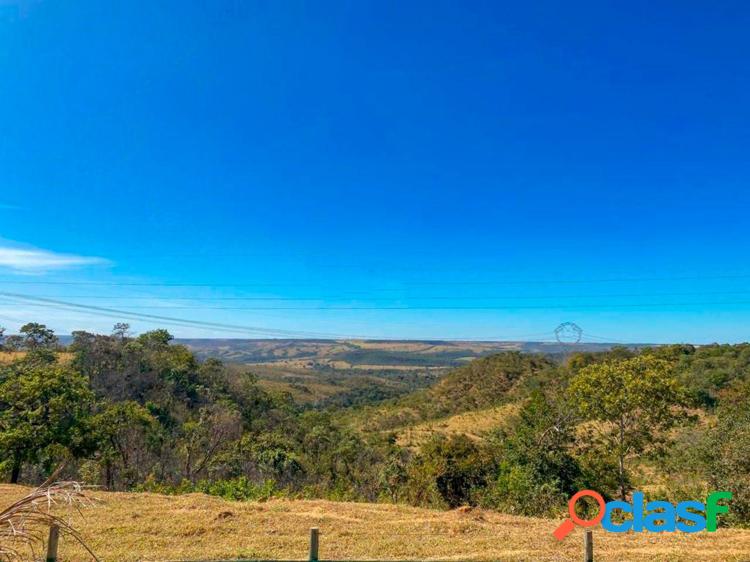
360	372
342	373
483	384
367	354
325	387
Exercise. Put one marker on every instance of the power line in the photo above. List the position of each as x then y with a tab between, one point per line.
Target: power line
411	297
233	328
601	339
114	313
404	283
124	314
408	307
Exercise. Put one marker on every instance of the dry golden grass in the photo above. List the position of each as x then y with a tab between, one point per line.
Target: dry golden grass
311	392
10	356
23	522
474	424
131	527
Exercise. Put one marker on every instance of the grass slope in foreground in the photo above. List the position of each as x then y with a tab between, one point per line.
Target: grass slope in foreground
127	527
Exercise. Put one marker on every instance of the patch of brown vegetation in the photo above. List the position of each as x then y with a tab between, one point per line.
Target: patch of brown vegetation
10	356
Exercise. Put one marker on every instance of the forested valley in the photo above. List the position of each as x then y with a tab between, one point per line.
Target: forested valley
144	414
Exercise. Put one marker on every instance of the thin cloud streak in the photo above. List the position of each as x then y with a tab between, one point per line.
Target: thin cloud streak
32	260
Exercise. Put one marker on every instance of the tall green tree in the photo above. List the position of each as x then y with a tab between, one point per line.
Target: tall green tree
38	336
632	403
41	405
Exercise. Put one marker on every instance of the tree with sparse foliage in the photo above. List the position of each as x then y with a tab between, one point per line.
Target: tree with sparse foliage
724	458
632	403
448	471
537	472
121	330
204	439
128	437
12	343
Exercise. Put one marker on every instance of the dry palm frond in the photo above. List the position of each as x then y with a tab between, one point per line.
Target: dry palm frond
24	524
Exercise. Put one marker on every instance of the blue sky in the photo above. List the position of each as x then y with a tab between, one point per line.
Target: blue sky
423	170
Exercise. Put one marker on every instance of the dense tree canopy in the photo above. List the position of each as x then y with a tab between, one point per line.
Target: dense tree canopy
41	405
143	413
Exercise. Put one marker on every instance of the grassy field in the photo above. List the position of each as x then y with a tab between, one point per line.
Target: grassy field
10	356
476	425
131	527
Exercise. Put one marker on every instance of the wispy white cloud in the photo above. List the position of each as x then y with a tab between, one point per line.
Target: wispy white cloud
33	260
9	207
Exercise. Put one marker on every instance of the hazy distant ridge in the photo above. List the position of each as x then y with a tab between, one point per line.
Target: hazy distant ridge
342	353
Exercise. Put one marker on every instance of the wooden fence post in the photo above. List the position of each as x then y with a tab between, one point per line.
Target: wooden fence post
314	542
54	535
588	546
